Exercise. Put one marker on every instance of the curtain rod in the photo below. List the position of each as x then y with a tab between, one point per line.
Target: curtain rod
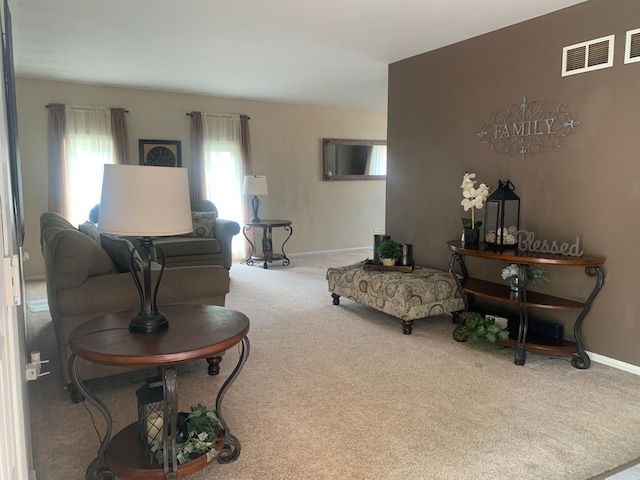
223	115
84	108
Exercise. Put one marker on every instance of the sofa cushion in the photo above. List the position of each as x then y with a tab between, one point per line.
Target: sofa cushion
203	224
119	250
90	230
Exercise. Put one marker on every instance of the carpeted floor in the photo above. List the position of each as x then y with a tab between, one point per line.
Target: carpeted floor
338	392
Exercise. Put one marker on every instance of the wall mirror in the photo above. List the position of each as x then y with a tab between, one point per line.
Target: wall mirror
354	159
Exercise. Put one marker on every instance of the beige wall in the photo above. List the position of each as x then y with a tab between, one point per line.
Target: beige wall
590	187
286	143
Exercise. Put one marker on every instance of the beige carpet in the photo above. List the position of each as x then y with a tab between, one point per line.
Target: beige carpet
338	392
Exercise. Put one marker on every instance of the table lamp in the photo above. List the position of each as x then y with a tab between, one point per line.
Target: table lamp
145	202
255	185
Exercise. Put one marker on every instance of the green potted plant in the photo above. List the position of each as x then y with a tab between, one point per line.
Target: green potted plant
389	251
479	329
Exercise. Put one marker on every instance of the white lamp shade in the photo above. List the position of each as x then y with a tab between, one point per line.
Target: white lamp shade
145	201
255	185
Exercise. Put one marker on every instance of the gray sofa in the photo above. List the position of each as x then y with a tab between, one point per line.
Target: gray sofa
84	281
209	244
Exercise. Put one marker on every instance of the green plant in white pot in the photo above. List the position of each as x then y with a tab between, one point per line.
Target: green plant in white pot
389	252
479	329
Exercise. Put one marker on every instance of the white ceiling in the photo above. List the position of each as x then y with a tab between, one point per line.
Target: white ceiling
333	52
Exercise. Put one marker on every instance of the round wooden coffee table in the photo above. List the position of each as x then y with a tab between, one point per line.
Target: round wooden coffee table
195	332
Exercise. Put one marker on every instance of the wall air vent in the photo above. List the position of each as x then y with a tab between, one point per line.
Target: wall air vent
587	56
632	46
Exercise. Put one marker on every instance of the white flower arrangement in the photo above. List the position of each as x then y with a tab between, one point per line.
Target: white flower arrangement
474	198
535	274
510	271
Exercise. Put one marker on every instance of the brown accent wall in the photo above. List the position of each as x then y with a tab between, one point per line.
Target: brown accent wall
589	187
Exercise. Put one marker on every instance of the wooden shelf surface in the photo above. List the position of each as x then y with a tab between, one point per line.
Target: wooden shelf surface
513	255
502	293
537	344
127	460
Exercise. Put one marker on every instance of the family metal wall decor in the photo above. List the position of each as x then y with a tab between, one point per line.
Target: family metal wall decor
536	127
160	153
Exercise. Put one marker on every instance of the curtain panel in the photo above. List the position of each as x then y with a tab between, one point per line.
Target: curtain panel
197	177
221	157
120	135
80	141
55	150
246	160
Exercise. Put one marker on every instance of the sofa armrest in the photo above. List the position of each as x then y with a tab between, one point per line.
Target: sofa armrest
224	230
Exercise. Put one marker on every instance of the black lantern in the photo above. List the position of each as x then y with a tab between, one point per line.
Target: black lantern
502	217
150	412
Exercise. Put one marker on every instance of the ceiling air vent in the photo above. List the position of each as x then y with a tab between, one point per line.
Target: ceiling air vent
587	56
632	48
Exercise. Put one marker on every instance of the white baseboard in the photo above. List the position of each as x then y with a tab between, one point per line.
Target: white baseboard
370	249
612	362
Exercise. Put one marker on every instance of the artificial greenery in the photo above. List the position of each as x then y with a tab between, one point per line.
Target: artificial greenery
467	223
196	435
537	275
390	249
480	329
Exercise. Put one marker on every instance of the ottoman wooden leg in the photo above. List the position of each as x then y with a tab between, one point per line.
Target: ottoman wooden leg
336	299
407	326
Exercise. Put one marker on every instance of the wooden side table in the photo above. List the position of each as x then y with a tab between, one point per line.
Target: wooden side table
525	299
195	332
267	256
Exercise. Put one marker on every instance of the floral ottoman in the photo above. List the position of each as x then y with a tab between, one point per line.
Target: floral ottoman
424	292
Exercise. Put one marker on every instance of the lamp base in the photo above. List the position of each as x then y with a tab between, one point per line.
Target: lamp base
255	203
148	322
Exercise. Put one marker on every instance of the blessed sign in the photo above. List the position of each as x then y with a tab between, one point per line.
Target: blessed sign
536	127
527	242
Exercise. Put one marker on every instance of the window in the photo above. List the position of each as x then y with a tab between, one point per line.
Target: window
85	164
81	141
224	170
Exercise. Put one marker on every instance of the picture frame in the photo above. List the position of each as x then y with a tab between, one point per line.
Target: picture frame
160	153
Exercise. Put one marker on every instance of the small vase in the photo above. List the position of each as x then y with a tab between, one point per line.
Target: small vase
471	235
388	262
513	283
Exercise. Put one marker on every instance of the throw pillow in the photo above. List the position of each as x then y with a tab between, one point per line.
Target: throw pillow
203	224
90	230
118	249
